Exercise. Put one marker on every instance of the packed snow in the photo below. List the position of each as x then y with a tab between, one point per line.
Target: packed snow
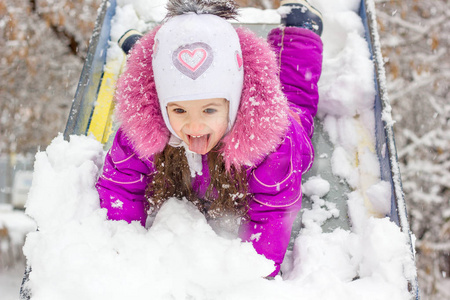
78	254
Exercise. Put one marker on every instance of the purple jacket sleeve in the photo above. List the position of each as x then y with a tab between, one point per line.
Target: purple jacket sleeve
276	182
299	53
122	185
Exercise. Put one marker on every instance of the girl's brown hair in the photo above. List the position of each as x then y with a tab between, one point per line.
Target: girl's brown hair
226	193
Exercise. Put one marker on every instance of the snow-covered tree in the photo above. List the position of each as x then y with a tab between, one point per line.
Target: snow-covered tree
415	42
42	44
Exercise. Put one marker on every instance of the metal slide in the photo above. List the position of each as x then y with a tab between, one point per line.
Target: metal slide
92	109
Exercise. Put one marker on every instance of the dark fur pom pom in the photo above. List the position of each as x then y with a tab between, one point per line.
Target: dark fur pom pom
226	9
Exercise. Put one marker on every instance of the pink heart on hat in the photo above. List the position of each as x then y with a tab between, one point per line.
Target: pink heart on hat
193	59
239	60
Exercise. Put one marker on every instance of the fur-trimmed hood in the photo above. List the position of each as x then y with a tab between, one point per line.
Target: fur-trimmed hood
261	120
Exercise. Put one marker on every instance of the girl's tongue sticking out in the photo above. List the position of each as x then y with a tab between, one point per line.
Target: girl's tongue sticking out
199	143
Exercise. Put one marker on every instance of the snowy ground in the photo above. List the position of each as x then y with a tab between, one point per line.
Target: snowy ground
78	254
10	281
14	225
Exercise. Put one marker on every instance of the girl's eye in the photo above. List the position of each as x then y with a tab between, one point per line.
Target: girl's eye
210	110
179	110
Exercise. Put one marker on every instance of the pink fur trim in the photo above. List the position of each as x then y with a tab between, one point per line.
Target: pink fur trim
262	116
137	106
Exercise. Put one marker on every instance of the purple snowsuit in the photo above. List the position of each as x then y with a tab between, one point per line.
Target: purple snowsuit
274	181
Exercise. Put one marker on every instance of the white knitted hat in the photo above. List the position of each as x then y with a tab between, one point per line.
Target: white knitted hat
198	56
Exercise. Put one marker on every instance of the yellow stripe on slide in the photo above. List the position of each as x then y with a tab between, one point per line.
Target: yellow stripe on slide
101	121
104	107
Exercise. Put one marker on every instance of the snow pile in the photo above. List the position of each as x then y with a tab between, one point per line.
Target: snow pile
78	254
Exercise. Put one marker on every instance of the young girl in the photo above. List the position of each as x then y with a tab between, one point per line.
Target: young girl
218	116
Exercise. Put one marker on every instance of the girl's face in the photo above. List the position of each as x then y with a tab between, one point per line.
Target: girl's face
199	123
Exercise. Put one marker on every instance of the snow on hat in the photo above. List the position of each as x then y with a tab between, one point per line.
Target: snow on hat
198	56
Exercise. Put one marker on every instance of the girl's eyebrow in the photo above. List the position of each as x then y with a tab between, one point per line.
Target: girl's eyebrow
173	104
212	104
206	105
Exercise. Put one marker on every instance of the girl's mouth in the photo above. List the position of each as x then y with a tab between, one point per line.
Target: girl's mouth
199	143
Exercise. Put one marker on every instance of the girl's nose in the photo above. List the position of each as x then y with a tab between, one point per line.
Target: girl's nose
195	126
